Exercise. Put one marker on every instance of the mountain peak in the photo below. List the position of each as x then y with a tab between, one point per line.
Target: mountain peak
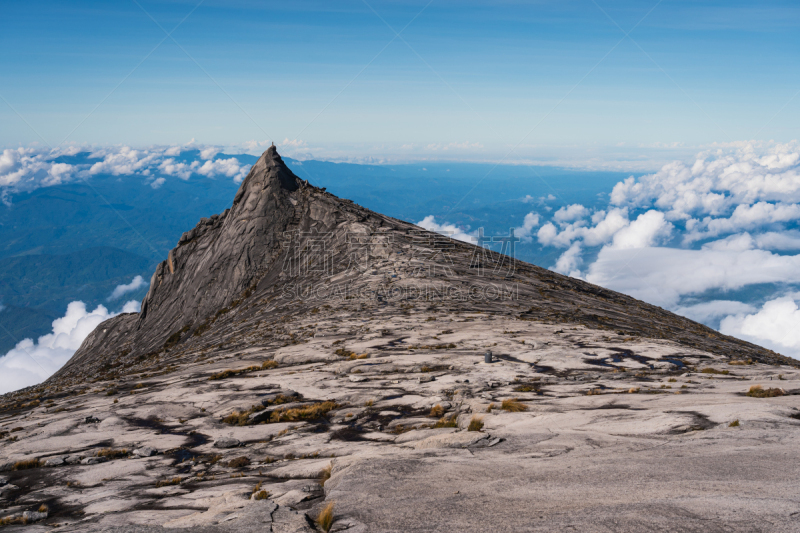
269	172
246	267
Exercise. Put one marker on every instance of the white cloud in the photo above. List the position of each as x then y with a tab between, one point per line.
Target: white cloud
224	167
528	199
29	363
179	169
645	231
606	225
570	213
8	161
787	240
732	243
525	231
451	230
137	283
743	217
26	169
745	196
296	143
718	181
21	167
58	173
208	153
255	146
123	160
708	311
775	325
570	261
662	276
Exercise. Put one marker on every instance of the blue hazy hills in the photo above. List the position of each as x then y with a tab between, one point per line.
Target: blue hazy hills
79	240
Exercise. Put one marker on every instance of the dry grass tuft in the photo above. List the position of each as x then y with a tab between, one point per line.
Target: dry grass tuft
266	365
734	424
25	465
222	375
475	424
43	508
369	403
239	462
756	391
326	474
310	412
112	454
490	407
633	390
281	399
449	422
437	411
325	518
710	370
166	482
241	418
513	405
259	494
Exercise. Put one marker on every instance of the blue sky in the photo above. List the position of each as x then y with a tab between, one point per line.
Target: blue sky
545	81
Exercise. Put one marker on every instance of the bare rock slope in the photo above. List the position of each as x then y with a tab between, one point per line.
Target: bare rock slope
233	274
299	352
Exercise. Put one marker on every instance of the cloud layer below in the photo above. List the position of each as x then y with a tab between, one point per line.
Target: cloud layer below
688	235
690	232
775	325
30	363
26	169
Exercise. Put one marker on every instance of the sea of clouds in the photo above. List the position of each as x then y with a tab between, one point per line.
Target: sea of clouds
28	168
29	362
714	239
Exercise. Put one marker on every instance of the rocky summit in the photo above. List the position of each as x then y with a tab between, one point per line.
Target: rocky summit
302	363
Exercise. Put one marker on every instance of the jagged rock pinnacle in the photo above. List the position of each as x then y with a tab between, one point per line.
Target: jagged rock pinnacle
249	254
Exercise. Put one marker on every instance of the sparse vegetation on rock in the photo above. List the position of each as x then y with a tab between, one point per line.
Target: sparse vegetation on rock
513	405
756	391
475	424
325	517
